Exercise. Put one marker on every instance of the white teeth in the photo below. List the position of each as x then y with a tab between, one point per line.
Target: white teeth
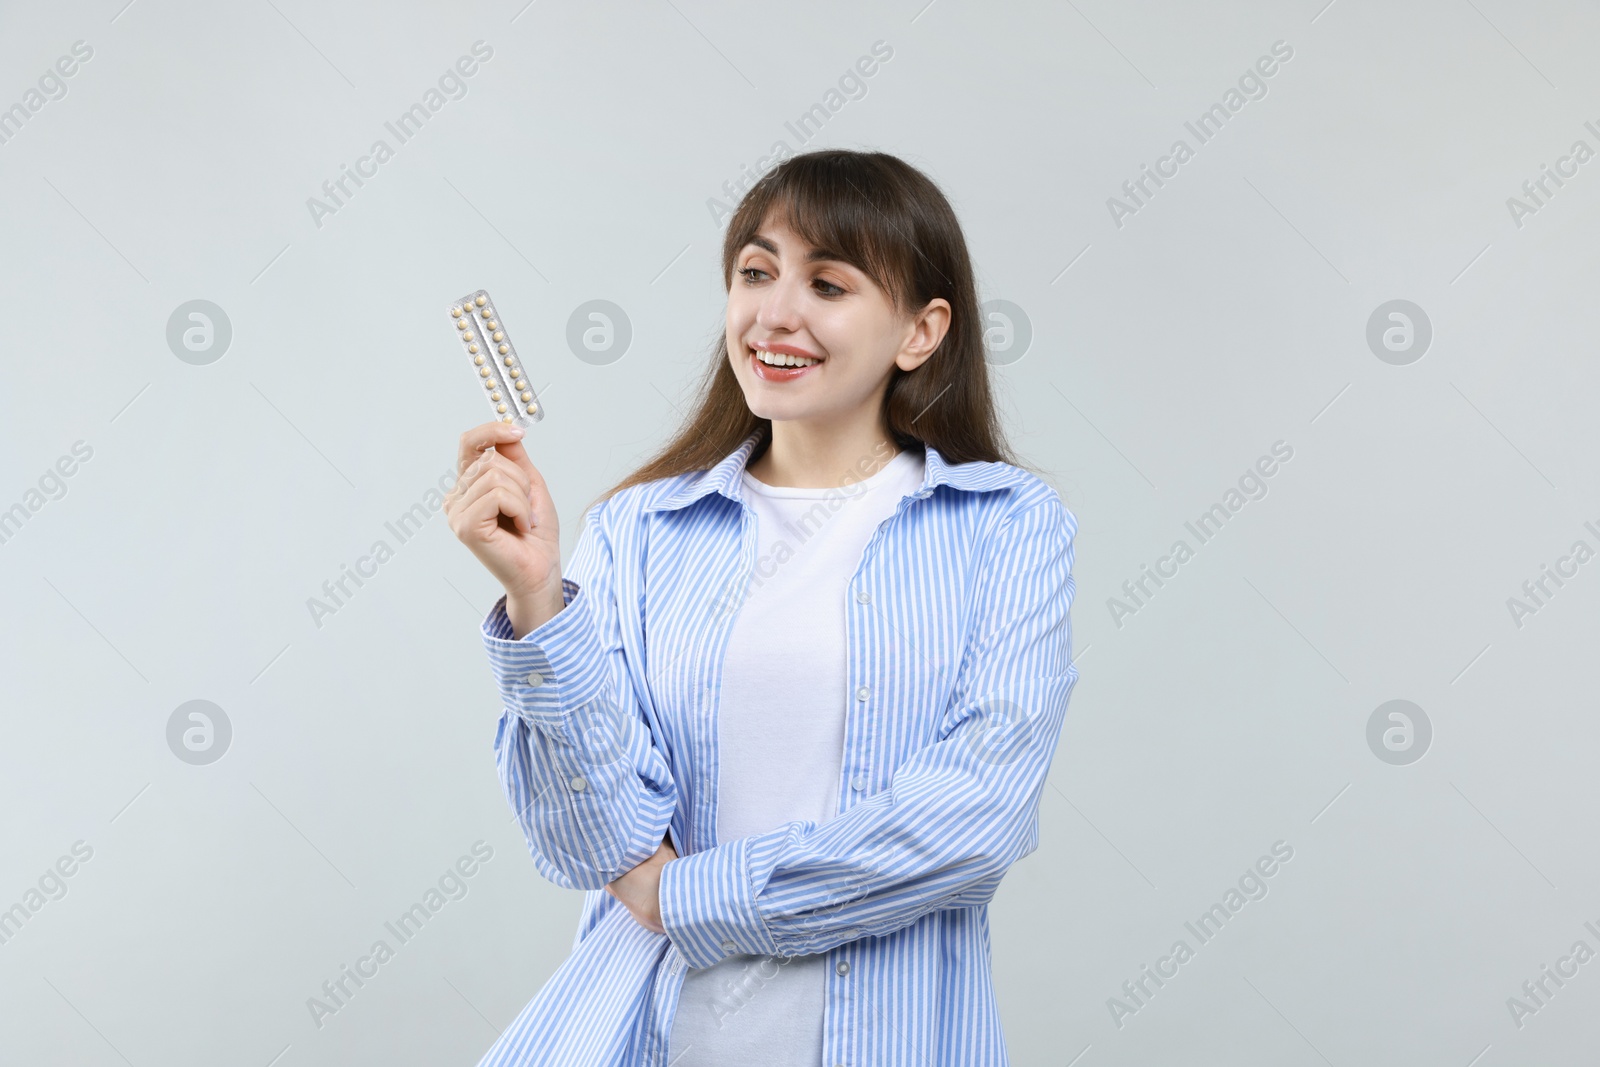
780	359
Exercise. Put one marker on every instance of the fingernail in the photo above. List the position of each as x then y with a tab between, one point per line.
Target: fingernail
516	431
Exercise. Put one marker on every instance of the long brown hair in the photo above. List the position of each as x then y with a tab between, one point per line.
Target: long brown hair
890	221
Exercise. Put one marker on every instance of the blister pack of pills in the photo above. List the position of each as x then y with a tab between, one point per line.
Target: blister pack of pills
502	375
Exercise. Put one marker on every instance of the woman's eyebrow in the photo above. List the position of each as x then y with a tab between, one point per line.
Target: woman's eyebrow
814	256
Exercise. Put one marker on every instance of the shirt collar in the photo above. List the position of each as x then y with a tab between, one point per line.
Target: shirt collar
724	477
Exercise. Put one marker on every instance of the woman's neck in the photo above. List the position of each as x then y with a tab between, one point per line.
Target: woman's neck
806	457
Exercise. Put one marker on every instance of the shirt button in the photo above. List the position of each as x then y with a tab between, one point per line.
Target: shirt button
728	946
863	693
843	967
535	679
863	596
858	782
579	783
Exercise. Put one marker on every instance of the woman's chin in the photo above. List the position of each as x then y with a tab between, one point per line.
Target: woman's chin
774	412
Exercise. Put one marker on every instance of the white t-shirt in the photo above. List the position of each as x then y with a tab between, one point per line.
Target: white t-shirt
780	734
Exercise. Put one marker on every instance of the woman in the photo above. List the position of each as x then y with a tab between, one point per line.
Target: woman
794	701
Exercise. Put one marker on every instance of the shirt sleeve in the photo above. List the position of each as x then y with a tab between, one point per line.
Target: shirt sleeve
576	755
955	815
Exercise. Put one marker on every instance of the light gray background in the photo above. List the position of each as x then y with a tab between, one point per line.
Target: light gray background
1167	355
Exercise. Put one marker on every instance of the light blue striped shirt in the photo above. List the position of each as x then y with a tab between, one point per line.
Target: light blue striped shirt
960	665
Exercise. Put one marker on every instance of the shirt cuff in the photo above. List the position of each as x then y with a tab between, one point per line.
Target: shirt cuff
556	667
708	907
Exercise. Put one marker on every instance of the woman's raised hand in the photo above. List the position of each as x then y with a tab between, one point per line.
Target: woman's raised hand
502	511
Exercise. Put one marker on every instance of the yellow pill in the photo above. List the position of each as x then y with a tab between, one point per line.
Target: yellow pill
527	396
533	409
481	301
462	325
477	359
487	313
474	348
521	384
492	324
456	312
509	361
506	419
484	371
501	408
498	335
495	395
468	335
504	349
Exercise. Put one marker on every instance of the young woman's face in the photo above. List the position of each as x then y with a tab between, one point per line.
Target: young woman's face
789	299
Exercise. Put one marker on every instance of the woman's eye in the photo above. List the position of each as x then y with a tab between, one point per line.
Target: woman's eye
749	274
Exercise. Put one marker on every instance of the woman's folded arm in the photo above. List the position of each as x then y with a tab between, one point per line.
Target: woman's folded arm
955	815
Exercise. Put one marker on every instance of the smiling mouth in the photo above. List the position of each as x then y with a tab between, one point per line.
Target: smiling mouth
792	370
781	360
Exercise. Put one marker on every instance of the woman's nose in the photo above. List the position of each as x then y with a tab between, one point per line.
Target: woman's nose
780	307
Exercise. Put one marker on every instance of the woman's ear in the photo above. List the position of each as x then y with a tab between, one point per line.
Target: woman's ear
927	331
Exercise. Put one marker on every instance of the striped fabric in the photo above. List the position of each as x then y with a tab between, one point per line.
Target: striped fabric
960	668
